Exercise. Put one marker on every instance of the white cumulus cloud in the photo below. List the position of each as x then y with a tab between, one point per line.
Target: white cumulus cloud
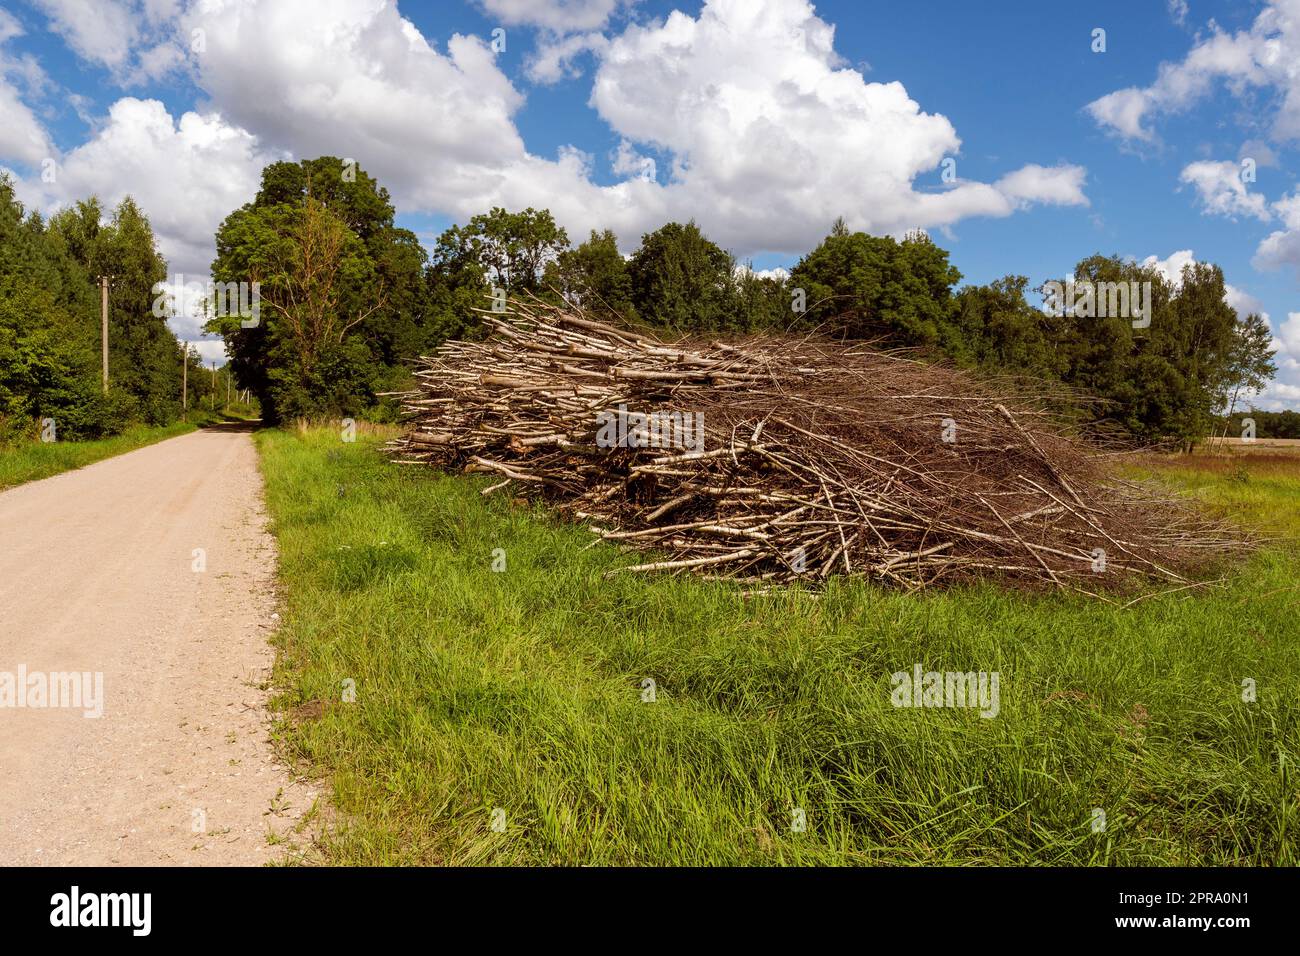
768	134
631	164
560	16
1059	185
101	31
22	137
1171	267
763	133
186	174
1282	247
354	79
135	40
772	135
555	57
1223	192
1263	56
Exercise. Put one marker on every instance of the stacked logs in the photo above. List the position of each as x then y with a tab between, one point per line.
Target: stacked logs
779	458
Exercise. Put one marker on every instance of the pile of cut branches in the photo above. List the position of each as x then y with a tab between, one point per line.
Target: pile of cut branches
779	458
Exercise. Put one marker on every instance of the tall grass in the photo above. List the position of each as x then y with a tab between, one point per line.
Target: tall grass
516	696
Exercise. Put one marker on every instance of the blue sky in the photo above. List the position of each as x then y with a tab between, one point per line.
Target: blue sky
763	119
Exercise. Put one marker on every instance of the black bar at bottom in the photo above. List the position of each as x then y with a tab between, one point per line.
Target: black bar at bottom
333	906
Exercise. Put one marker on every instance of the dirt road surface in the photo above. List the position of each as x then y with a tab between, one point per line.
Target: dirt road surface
154	569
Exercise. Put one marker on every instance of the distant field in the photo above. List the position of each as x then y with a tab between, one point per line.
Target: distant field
502	717
1261	489
1255	446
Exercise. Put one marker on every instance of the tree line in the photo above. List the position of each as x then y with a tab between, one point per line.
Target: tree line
50	357
347	298
1284	424
351	295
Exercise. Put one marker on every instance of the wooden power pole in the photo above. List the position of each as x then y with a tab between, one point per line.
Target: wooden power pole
185	376
103	324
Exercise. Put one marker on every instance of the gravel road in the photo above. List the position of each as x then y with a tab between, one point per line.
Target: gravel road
155	570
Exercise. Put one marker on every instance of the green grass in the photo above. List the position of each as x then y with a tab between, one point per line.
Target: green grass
520	690
1263	490
35	460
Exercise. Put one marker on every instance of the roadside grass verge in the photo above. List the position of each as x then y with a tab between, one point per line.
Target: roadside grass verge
34	460
499	716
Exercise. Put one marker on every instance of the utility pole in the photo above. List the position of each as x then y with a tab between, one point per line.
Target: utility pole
212	399
185	376
103	315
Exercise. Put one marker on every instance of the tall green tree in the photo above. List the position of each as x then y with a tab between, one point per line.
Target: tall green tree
681	281
1250	363
1163	381
47	366
512	248
142	349
343	300
1199	343
594	275
996	328
456	284
874	287
142	358
760	302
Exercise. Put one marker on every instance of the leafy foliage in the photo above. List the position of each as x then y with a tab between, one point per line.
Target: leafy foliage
996	329
874	287
1165	382
341	288
1250	357
1285	424
351	299
595	276
50	324
511	249
680	280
